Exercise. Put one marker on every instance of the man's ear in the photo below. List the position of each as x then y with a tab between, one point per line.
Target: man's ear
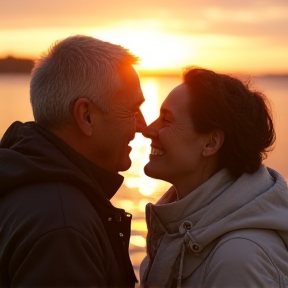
214	142
82	114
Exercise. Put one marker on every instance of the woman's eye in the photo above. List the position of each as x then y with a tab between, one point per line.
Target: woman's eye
166	119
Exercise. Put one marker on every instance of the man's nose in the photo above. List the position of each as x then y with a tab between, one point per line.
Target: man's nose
140	122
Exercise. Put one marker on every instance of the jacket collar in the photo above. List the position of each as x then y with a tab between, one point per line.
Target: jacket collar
108	182
227	205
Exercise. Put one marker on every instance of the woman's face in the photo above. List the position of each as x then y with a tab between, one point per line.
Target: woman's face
176	149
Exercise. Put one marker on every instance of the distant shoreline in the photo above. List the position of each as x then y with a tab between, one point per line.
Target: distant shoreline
16	65
11	65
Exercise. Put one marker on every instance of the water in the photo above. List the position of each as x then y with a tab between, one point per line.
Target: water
138	189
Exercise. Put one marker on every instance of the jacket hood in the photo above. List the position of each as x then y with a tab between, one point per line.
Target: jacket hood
29	154
220	205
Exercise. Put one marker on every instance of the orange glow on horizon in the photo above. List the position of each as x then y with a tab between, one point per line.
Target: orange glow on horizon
227	36
162	51
157	50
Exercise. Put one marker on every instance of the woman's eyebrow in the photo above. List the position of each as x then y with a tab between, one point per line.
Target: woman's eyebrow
165	110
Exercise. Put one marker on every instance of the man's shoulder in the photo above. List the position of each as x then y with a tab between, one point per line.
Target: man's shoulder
51	195
51	205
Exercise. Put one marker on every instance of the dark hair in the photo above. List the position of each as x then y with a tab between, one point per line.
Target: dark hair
223	102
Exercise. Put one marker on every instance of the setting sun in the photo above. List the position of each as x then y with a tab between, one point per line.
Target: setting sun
157	50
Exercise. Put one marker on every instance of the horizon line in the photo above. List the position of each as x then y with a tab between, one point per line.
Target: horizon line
146	72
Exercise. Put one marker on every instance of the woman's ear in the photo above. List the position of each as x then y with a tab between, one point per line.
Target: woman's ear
82	114
214	142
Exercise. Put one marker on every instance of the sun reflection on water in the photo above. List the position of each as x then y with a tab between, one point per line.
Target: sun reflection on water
138	240
135	178
139	189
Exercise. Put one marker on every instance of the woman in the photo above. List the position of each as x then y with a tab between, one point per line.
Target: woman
224	222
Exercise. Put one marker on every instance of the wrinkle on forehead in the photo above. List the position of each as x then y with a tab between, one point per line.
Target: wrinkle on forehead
130	97
128	76
130	87
127	100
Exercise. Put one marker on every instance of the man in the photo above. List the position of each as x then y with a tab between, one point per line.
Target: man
57	174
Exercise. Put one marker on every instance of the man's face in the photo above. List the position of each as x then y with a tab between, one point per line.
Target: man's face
116	129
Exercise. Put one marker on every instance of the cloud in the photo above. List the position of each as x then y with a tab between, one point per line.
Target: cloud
195	16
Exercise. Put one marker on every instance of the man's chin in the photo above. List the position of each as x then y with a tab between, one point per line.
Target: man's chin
125	166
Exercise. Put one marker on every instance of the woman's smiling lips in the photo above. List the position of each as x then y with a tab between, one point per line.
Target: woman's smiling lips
157	151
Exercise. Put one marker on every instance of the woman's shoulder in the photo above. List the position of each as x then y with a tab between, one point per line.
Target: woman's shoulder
256	256
246	243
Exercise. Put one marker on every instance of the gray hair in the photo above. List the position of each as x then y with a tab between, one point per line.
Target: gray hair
78	66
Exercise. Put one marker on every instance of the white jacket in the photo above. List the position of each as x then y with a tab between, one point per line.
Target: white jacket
226	233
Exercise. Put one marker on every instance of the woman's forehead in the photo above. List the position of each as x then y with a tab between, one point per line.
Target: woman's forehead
178	96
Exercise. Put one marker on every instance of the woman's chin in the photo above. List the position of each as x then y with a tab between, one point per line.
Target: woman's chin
151	171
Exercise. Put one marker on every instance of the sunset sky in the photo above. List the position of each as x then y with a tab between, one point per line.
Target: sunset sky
249	36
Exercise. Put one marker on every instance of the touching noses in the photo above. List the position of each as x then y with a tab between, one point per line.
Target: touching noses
140	122
150	131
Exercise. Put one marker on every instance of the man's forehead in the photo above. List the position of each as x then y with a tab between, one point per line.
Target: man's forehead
128	75
140	93
133	95
138	97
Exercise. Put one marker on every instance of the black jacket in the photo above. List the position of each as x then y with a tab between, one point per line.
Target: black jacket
57	225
